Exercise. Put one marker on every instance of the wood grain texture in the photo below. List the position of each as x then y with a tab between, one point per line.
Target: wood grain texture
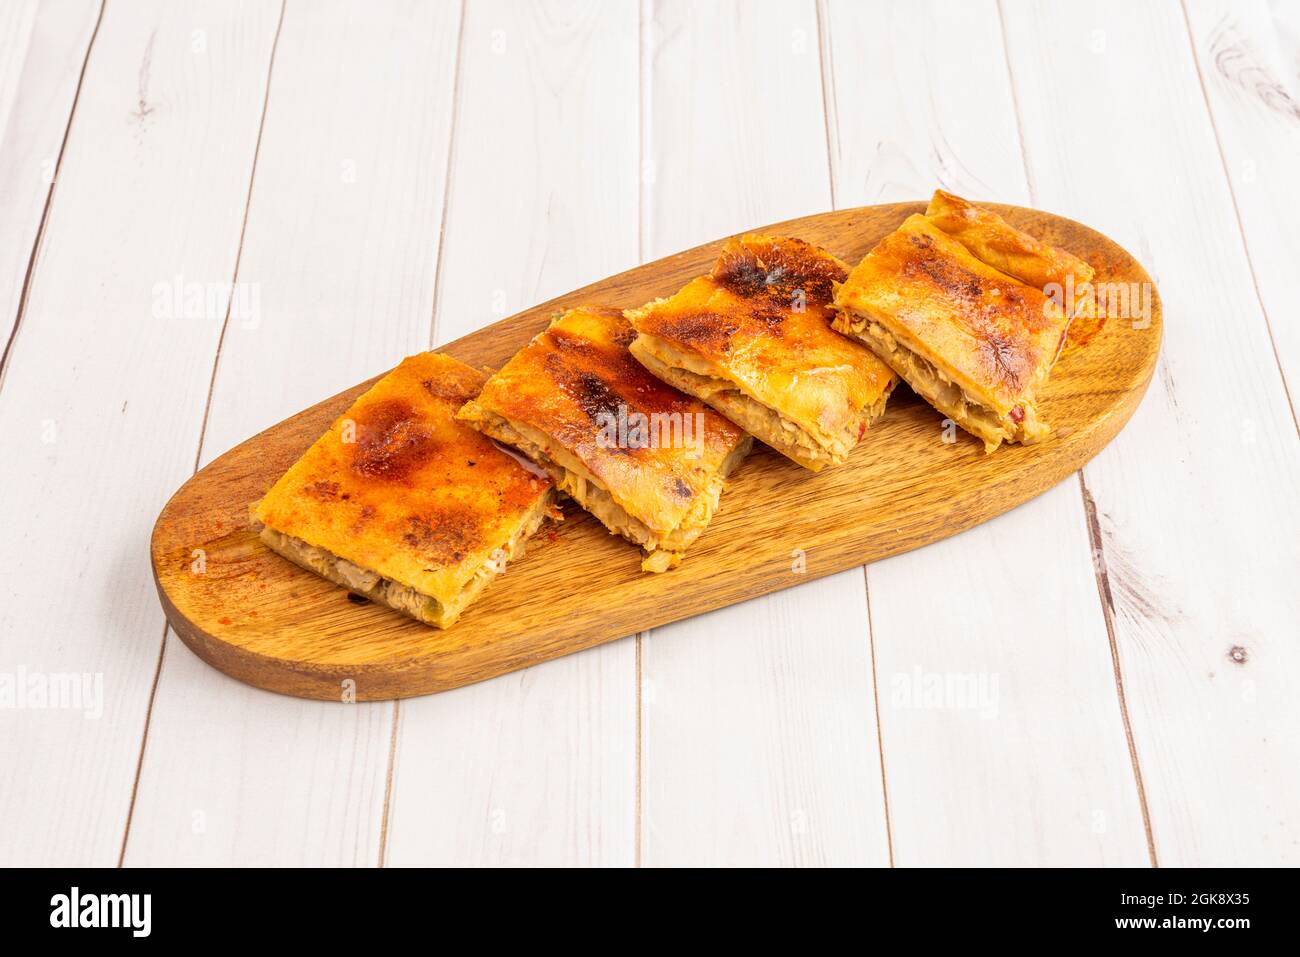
1194	503
959	611
902	488
538	767
758	721
339	249
152	186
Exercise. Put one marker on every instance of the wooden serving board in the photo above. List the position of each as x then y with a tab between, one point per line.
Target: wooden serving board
267	622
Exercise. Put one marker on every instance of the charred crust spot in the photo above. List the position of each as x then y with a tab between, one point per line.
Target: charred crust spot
322	490
444	536
392	442
593	395
363	518
770	319
603	380
955	280
778	272
622	381
704	329
744	276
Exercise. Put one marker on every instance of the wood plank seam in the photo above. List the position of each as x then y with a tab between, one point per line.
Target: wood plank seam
830	110
239	250
1108	612
144	743
388	783
1098	556
203	426
880	736
447	181
49	201
1236	209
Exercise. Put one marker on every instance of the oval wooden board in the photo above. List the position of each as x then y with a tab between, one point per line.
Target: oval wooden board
267	622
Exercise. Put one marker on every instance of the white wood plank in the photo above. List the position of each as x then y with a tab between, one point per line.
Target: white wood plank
536	767
1036	771
340	253
102	400
1248	57
42	50
759	730
1196	498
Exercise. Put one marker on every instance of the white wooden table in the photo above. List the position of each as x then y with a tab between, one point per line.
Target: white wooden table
1108	675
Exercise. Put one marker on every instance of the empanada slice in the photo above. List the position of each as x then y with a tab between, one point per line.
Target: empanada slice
645	459
403	504
753	339
976	343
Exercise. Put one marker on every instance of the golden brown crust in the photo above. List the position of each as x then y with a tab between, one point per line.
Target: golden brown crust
555	400
759	324
397	487
994	241
924	293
